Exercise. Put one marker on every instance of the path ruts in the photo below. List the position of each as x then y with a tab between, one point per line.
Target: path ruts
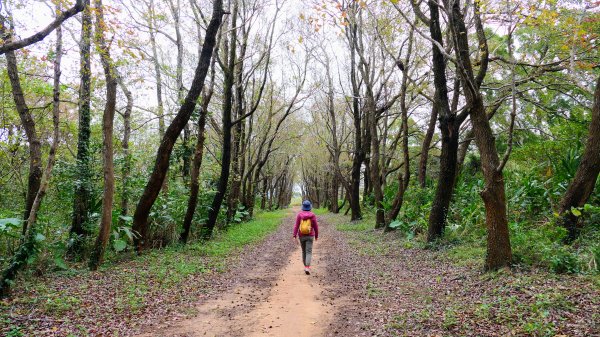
268	294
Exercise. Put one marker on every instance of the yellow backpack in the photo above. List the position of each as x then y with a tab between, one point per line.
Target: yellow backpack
305	226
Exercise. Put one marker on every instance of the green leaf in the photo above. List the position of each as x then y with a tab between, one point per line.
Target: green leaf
60	263
8	223
591	209
119	245
127	232
39	237
11	221
126	218
575	211
395	224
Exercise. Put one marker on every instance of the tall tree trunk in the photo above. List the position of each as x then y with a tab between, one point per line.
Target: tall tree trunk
157	72
335	186
499	252
161	165
425	147
175	12
194	183
446	179
83	185
228	82
449	130
97	256
375	164
20	259
335	150
237	132
198	154
159	85
263	199
126	170
359	153
35	147
404	174
583	183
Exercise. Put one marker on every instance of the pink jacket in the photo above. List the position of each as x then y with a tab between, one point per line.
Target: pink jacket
302	215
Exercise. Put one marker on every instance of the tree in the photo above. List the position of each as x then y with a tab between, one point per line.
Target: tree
499	252
111	77
35	147
228	67
40	35
161	165
83	185
126	170
404	174
583	183
449	124
29	242
197	160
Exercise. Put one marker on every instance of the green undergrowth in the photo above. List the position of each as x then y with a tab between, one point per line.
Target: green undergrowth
320	211
534	247
241	235
136	281
362	236
526	302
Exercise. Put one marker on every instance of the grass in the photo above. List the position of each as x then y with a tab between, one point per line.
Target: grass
241	235
320	211
138	281
361	232
466	255
523	302
173	265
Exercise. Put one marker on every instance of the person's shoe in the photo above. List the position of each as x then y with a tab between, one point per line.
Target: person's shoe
307	270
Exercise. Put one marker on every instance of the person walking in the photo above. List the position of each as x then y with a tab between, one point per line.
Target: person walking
307	230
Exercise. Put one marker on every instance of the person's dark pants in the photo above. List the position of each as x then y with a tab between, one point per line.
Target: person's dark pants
306	242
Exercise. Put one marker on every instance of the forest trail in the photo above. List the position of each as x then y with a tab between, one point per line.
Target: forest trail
288	303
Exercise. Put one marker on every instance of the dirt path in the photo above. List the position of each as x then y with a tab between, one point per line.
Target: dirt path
272	297
365	283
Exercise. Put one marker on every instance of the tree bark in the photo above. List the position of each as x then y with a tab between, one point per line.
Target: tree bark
39	36
499	252
404	174
233	197
27	247
213	213
449	131
375	168
359	154
97	256
35	147
161	165
82	195
335	150
126	170
194	183
425	147
446	178
583	183
159	84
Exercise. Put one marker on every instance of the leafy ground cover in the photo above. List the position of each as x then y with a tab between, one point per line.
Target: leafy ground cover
394	287
112	300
